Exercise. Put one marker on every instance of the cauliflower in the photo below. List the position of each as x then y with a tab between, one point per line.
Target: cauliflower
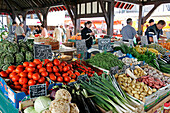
73	108
59	106
63	94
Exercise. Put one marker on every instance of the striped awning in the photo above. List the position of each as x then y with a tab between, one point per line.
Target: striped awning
123	5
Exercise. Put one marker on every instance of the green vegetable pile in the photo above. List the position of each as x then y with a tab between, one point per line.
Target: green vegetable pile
149	57
105	61
15	54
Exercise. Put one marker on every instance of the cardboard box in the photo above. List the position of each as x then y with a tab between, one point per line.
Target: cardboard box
14	97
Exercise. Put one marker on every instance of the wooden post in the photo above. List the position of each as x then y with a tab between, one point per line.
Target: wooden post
44	12
140	28
24	14
111	18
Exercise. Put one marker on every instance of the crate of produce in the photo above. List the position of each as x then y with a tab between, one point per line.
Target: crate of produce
10	94
54	45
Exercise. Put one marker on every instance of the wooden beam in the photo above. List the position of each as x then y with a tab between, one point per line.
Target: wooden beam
69	11
140	29
90	15
111	18
153	2
44	12
150	12
104	11
39	17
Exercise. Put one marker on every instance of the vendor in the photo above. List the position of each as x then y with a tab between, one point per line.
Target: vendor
19	32
44	32
88	35
155	29
128	32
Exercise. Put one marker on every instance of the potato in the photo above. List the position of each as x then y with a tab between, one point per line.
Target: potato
129	80
139	92
116	75
154	90
134	92
120	76
145	87
142	84
124	84
141	89
142	96
149	92
138	87
143	93
134	81
135	72
136	96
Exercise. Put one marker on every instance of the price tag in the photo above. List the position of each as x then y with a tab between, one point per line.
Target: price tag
37	90
42	51
104	44
114	70
120	54
144	40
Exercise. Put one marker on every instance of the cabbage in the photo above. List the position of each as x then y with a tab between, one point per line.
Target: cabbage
30	110
42	103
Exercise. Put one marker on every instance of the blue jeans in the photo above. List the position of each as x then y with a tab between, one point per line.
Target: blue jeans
20	37
87	55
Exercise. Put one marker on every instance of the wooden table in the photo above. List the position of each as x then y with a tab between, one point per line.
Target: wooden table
160	104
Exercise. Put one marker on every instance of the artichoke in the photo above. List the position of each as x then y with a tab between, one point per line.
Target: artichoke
23	49
13	48
9	59
19	57
29	56
5	67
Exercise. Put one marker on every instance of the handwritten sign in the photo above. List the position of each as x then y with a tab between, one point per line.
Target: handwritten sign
42	51
104	44
37	90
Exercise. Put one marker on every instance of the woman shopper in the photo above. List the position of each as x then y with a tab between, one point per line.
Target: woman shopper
88	35
44	32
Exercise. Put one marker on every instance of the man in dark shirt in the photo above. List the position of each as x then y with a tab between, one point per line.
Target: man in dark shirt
88	35
155	29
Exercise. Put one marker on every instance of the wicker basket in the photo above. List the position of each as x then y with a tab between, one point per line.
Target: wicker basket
54	45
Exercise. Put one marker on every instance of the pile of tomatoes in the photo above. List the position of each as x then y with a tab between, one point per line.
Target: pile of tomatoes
37	72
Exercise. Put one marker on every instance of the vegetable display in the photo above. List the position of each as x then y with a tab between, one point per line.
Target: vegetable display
108	95
128	61
133	87
37	72
105	61
15	54
157	47
142	50
166	45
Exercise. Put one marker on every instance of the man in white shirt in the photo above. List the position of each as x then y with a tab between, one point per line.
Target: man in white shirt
57	34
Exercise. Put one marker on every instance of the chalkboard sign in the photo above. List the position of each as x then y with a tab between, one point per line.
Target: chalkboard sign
37	90
42	51
81	46
104	44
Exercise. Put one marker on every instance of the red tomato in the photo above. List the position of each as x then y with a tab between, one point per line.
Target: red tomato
60	68
23	81
46	61
49	69
41	80
37	61
66	68
73	76
18	87
31	82
67	79
64	74
23	74
59	79
30	75
7	71
15	78
50	64
69	65
3	74
25	85
11	68
58	74
16	83
26	64
25	71
36	76
36	71
30	69
63	64
55	69
39	66
42	70
20	66
31	64
77	73
56	62
44	74
19	70
12	75
24	90
52	77
70	72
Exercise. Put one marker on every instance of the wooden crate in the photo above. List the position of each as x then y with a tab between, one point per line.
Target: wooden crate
54	45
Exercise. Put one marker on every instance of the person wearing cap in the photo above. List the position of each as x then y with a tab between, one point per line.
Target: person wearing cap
128	32
151	22
155	29
88	35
